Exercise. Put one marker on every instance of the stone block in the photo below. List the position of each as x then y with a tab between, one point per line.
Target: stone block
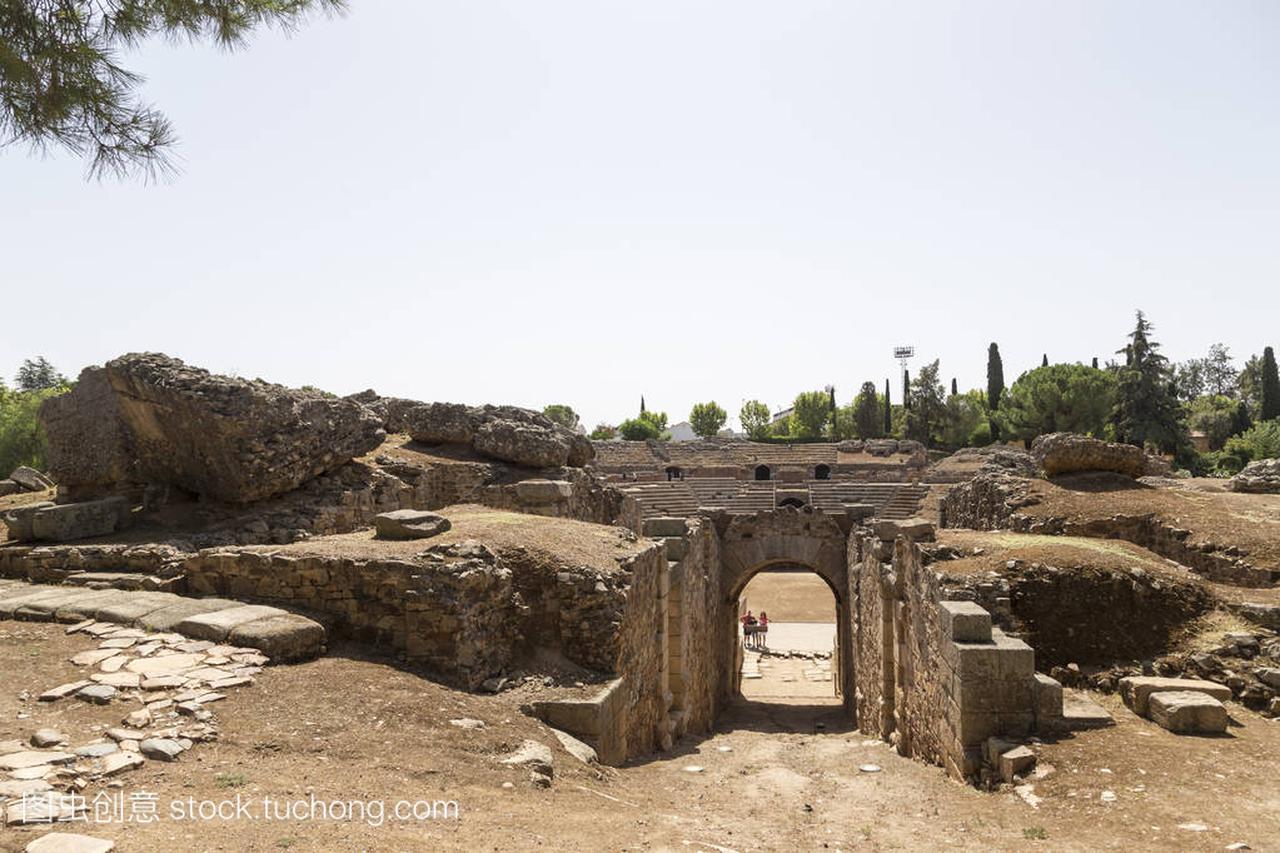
1187	712
284	638
677	548
409	524
20	520
541	492
977	662
664	526
964	622
915	529
1016	762
1017	659
1137	690
1048	699
217	624
65	522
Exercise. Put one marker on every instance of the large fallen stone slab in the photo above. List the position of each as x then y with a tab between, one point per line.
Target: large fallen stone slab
1069	453
217	624
149	418
1137	690
1187	712
44	609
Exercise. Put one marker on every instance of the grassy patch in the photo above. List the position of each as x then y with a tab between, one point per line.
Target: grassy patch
231	780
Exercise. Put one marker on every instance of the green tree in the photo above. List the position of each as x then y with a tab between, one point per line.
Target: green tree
1261	441
22	439
603	432
1215	416
639	429
1269	406
1058	398
707	419
1146	410
62	82
37	373
868	419
563	415
1213	375
754	417
845	427
809	414
888	411
647	425
965	413
1045	361
1249	385
928	406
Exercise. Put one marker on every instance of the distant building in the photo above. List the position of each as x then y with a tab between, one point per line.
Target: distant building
683	432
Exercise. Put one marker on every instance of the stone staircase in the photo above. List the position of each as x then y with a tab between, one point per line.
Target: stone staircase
683	498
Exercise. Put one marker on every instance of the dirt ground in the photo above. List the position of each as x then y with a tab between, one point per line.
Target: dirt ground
780	773
790	597
1250	522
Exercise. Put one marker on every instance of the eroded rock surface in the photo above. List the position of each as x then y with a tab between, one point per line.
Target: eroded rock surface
151	419
1262	476
1069	453
508	433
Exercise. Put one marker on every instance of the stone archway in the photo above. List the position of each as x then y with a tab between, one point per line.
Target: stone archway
763	472
750	544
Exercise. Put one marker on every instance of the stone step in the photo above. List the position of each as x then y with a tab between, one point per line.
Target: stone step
280	635
122	580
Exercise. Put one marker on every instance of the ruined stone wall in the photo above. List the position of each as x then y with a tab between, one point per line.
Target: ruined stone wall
574	494
641	652
52	564
871	587
931	675
455	615
925	705
696	596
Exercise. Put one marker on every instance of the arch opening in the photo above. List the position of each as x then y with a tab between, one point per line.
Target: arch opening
822	472
763	472
798	503
674	473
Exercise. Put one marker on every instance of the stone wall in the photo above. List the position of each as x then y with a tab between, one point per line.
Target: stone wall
641	654
694	598
932	676
52	564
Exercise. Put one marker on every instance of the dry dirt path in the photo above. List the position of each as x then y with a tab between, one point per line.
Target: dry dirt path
779	773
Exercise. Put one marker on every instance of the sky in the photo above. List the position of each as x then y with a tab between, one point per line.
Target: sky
584	202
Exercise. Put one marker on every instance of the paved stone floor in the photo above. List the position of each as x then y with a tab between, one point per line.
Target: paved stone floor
801	636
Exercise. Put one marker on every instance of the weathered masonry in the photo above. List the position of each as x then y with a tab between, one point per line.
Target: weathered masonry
929	675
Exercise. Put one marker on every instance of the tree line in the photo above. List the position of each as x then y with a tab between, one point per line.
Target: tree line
1138	397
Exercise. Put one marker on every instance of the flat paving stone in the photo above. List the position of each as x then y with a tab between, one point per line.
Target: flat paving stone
87	607
33	758
136	605
287	638
217	624
70	842
167	618
164	665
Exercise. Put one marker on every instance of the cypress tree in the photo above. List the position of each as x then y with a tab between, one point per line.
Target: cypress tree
1045	363
1095	362
954	389
995	377
888	410
1270	386
906	389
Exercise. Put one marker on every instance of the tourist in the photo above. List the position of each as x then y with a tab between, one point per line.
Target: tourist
762	630
749	628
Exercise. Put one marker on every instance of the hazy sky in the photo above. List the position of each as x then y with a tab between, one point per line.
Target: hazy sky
586	201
